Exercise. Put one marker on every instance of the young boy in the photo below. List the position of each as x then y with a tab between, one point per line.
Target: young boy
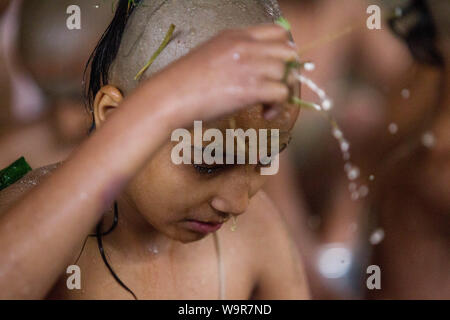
161	247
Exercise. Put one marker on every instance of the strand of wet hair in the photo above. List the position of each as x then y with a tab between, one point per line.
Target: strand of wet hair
113	226
99	236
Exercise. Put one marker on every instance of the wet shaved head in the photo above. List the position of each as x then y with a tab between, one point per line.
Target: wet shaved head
196	21
130	43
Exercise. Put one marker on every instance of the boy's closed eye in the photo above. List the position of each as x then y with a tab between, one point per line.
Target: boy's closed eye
210	169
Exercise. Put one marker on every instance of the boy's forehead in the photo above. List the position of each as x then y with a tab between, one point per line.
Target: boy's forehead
196	21
253	118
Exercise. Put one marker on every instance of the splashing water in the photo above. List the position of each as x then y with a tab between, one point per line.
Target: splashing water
334	260
377	236
428	140
153	249
393	128
233	223
405	93
326	104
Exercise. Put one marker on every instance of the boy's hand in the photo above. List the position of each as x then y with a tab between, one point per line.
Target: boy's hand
235	69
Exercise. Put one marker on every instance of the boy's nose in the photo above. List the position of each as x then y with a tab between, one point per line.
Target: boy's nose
232	201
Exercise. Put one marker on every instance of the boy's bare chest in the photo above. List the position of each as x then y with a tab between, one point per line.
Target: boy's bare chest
194	274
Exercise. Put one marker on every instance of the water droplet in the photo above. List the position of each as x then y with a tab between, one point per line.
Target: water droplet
377	236
233	223
338	134
309	66
353	174
428	140
355	196
313	86
334	261
236	56
363	191
345	146
371	177
327	104
406	93
321	94
153	249
393	128
352	187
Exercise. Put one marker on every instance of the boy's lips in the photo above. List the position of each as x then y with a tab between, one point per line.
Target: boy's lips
201	226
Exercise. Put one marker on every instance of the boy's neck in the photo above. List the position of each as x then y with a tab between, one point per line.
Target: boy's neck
134	235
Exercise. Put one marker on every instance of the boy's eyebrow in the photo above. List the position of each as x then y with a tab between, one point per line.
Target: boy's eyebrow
283	146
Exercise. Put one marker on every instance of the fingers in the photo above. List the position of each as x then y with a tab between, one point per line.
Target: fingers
268	32
273	92
263	40
269	68
275	49
262	53
273	40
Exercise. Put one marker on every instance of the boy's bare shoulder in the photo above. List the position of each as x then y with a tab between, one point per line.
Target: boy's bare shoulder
15	192
276	263
262	214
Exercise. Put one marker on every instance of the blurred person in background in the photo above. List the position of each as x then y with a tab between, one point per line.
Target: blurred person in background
411	199
50	54
383	95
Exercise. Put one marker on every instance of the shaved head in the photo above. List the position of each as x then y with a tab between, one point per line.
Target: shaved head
196	21
119	60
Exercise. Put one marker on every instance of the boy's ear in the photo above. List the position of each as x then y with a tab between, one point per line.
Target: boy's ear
107	100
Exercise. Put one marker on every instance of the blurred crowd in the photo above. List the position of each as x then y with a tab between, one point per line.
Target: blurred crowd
389	98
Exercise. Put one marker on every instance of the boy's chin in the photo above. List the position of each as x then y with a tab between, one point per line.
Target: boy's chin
181	234
187	236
